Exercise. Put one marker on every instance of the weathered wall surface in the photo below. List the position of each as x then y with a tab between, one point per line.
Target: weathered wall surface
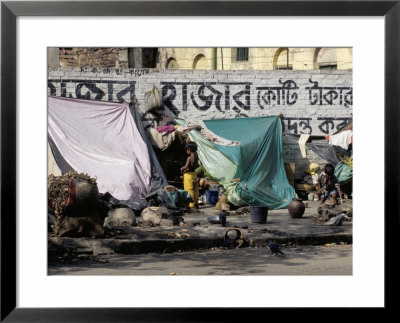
312	102
266	58
93	56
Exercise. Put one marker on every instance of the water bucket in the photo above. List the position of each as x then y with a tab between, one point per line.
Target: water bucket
258	213
212	196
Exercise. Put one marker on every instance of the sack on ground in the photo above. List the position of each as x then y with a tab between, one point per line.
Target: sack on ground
153	99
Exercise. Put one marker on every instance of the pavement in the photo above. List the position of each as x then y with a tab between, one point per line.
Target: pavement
197	233
297	260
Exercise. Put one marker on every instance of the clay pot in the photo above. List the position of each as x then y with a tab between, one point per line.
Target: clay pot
296	208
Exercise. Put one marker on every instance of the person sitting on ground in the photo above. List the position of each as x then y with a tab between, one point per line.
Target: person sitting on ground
201	172
204	184
190	183
328	185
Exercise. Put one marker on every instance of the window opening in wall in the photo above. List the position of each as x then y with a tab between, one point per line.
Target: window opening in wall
171	63
149	57
200	63
328	67
282	60
284	68
242	54
325	59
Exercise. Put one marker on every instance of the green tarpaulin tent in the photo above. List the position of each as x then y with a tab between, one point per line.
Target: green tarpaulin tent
257	161
258	157
217	164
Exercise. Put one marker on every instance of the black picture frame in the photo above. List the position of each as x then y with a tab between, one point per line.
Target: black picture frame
10	10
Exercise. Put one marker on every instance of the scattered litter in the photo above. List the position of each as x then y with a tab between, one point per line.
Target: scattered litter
337	220
330	244
172	274
178	235
242	210
120	217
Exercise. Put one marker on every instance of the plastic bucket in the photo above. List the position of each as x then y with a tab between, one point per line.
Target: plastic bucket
212	196
258	213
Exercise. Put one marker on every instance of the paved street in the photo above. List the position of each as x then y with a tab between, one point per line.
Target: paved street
298	260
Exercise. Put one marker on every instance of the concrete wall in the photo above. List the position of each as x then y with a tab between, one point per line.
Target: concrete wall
312	102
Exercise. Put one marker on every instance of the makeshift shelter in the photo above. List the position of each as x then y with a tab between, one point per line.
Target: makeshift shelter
257	160
320	147
106	140
216	163
336	150
52	167
343	172
102	140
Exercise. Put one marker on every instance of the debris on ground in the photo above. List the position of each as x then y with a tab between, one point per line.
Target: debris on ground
231	241
120	217
74	199
223	203
330	244
59	189
242	210
327	211
189	224
159	216
179	235
337	220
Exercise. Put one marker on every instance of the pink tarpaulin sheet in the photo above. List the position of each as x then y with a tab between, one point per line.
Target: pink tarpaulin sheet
101	139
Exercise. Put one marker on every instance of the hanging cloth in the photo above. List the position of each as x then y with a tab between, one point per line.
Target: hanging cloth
102	140
302	144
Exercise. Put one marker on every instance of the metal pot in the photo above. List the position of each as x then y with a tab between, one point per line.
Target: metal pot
296	208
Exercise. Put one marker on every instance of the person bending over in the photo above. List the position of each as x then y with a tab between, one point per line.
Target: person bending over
328	185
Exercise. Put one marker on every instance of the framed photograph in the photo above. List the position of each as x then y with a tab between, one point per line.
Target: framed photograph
359	40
